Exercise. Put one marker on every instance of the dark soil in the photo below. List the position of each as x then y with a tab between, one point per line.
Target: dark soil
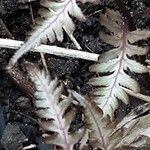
16	106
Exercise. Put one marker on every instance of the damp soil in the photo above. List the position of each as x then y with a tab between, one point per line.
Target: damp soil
16	107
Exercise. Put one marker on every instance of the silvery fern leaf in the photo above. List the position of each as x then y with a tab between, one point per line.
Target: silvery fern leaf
52	109
55	16
116	62
131	133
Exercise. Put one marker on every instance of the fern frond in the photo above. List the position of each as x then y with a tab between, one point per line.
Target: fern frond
52	110
116	62
55	16
133	132
99	127
130	133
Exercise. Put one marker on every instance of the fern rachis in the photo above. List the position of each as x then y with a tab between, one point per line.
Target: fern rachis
116	62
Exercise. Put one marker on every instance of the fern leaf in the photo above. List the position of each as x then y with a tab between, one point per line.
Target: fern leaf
131	132
135	130
55	18
116	62
52	110
99	127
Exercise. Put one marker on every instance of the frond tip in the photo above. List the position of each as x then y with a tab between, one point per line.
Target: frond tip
116	63
53	110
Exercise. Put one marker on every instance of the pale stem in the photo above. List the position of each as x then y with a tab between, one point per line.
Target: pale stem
137	95
77	45
29	147
54	50
74	41
44	62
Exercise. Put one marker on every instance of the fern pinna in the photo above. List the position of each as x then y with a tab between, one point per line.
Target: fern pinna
54	115
116	63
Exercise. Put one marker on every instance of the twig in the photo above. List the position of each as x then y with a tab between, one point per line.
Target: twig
6	29
19	79
74	41
44	62
29	147
95	12
77	45
54	50
31	12
138	95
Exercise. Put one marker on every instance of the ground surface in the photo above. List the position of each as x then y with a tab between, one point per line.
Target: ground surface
15	105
